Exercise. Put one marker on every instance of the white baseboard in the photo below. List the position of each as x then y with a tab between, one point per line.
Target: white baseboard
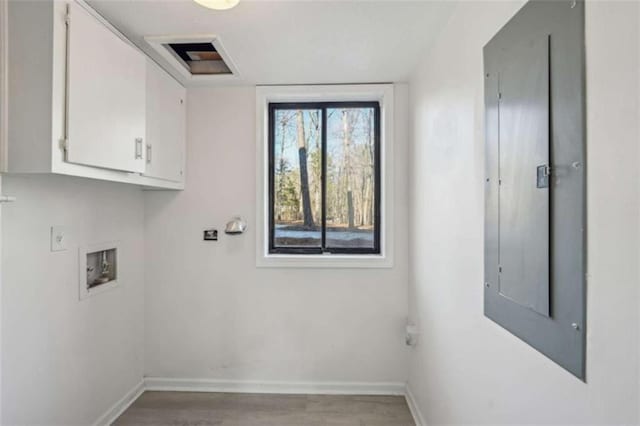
418	418
246	386
118	408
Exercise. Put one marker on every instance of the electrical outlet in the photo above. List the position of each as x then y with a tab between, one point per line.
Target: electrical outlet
58	238
211	235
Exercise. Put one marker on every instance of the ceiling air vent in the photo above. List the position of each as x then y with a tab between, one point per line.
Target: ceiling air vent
198	58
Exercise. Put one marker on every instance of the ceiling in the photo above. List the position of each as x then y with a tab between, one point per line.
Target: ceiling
295	42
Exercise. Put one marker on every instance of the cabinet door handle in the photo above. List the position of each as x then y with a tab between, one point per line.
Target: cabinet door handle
149	149
138	148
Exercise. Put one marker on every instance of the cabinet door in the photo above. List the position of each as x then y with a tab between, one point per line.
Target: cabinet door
523	150
165	125
105	96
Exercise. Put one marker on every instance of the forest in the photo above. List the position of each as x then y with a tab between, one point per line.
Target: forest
350	177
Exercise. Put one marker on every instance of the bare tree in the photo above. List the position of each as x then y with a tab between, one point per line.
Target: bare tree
346	129
315	184
368	206
282	163
304	176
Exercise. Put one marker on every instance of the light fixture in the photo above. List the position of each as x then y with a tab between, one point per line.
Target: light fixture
218	4
235	226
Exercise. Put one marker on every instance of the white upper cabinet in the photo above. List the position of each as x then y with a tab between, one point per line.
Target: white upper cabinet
80	103
105	96
166	127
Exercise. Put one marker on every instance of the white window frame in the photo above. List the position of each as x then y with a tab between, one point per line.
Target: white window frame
382	93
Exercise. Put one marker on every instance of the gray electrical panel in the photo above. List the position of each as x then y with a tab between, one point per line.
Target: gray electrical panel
535	180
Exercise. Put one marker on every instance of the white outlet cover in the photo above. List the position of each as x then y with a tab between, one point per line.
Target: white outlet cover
58	238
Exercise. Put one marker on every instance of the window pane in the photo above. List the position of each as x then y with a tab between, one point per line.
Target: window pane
297	210
351	173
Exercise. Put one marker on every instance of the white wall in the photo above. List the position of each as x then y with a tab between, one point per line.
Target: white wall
1	286
466	369
210	313
66	361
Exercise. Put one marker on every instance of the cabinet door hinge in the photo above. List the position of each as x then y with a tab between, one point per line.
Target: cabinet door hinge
64	144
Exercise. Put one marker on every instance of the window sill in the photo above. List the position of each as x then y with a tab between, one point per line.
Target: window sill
321	261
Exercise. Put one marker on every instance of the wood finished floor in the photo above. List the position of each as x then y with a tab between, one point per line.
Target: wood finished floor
242	409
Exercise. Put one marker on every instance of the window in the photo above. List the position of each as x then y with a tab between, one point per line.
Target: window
324	178
318	251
